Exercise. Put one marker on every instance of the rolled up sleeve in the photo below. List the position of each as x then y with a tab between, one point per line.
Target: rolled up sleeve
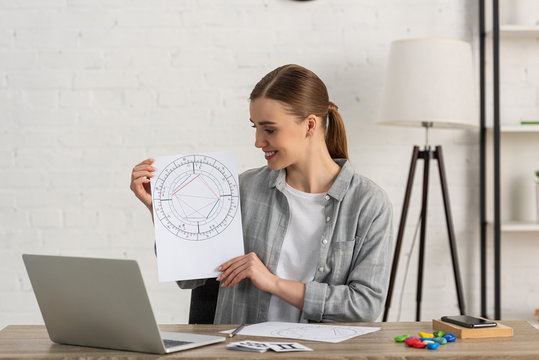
190	284
315	300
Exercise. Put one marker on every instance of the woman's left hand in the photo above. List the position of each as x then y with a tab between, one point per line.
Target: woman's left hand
247	266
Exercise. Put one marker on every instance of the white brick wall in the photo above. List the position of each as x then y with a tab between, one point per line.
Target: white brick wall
90	88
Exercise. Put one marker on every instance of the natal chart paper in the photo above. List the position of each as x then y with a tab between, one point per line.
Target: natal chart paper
197	217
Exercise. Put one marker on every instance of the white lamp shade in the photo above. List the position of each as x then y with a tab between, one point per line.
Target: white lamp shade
429	80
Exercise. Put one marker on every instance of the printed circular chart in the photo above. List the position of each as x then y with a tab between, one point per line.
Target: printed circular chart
314	332
195	197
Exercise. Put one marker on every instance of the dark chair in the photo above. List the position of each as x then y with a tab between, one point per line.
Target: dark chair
203	303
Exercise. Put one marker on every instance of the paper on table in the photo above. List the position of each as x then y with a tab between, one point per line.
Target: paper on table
313	332
257	346
197	215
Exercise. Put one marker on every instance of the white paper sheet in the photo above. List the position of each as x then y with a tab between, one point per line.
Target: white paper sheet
313	332
197	216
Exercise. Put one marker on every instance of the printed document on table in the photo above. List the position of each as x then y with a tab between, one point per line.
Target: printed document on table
197	215
300	331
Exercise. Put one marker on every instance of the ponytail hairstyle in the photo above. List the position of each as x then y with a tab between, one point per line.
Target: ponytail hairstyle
304	94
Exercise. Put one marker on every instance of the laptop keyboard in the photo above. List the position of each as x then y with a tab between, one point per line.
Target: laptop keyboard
174	343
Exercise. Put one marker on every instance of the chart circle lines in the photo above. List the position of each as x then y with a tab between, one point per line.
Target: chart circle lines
313	332
195	197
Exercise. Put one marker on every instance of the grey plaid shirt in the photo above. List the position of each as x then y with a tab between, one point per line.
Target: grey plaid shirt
350	283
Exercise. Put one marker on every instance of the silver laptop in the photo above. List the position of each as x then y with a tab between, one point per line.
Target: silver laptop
101	303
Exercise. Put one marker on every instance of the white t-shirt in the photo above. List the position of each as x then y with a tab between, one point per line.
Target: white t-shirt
300	249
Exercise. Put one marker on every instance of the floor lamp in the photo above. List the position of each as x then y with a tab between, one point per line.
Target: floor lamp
430	84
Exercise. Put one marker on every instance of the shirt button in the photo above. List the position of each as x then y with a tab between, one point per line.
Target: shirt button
321	268
328	218
327	197
324	241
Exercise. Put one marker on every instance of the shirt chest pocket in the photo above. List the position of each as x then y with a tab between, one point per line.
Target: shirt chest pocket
340	260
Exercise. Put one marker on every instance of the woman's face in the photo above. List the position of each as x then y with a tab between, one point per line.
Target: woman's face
280	135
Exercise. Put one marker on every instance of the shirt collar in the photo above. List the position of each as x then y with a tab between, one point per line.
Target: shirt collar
338	189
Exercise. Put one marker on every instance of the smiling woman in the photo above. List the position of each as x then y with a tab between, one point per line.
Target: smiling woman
318	236
301	93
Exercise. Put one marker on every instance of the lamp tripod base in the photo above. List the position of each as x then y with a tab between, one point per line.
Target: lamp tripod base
425	155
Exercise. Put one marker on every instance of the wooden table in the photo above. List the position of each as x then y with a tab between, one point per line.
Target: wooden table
32	342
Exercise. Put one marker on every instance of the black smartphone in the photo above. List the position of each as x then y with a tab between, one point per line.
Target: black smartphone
469	321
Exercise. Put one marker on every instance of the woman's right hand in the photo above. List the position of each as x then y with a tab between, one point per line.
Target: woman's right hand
140	182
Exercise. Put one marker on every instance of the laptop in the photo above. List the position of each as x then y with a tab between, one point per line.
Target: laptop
101	303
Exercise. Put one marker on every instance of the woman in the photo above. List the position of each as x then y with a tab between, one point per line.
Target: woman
318	237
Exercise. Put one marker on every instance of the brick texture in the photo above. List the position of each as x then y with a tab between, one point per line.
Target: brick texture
89	88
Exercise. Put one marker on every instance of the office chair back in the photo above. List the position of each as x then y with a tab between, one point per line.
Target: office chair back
203	303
